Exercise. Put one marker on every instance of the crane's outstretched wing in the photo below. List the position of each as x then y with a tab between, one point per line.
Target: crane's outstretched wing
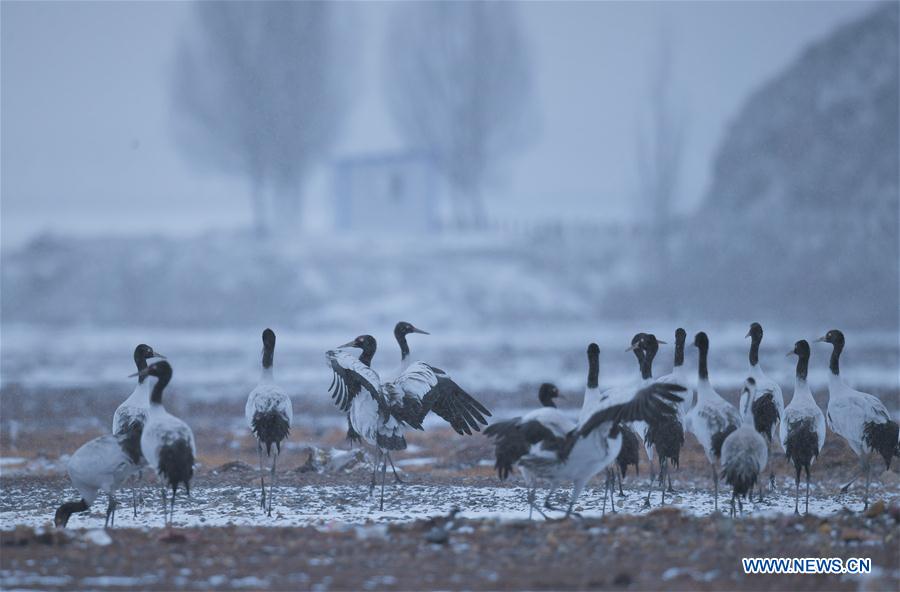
649	404
350	377
514	439
422	388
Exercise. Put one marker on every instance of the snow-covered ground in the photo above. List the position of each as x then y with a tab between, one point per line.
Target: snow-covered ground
325	506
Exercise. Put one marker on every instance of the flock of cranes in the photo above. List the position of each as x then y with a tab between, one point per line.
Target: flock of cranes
546	445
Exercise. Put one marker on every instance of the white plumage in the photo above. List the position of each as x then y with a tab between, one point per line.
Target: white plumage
802	431
132	413
167	442
531	443
270	415
766	411
585	450
860	418
712	418
163	430
379	410
101	465
744	452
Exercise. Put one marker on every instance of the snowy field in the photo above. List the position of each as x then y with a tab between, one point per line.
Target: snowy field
329	506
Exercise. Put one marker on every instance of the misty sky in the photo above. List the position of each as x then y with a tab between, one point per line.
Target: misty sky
87	142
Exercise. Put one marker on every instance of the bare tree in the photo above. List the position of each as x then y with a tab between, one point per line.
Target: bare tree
660	150
257	92
459	86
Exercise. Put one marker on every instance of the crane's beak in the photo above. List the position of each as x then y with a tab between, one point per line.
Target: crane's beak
562	396
348	344
661	342
747	335
633	347
144	372
789	354
417	330
158	355
820	339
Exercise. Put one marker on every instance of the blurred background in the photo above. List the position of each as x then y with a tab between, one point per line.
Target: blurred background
516	178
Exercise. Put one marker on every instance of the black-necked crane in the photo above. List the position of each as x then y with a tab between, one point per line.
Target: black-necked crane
666	437
131	415
859	418
744	451
529	434
712	418
101	465
803	425
269	415
167	442
766	411
591	446
386	409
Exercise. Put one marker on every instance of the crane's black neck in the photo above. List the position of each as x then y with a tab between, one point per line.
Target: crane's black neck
702	370
593	369
140	361
755	340
404	347
679	352
802	365
546	399
639	354
158	388
368	352
834	366
647	364
268	356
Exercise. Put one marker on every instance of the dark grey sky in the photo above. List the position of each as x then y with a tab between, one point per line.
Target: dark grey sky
87	143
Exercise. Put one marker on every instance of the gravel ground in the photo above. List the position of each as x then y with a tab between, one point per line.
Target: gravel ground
328	534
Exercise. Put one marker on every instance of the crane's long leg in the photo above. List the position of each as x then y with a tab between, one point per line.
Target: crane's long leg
859	474
663	472
165	506
547	503
375	470
868	481
606	489
576	491
383	473
172	509
394	469
262	478
807	491
617	475
612	491
797	493
532	496
715	487
272	482
110	511
649	488
771	468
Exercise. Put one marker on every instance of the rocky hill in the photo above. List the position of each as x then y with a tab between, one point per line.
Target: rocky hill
801	217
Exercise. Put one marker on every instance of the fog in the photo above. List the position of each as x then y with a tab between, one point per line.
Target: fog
517	178
88	140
